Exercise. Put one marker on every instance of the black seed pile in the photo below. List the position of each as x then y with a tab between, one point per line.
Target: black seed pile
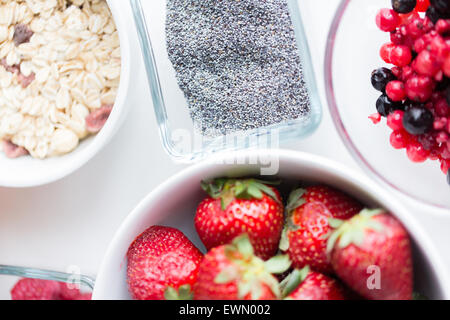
237	63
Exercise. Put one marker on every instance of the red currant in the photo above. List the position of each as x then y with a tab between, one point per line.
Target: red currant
419	88
399	139
401	55
387	20
385	52
422	5
395	120
427	64
395	90
416	152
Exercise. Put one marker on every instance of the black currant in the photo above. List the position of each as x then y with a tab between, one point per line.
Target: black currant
386	105
447	95
381	77
404	6
433	14
443	85
442	6
418	120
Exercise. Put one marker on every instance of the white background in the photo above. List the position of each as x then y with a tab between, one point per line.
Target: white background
70	223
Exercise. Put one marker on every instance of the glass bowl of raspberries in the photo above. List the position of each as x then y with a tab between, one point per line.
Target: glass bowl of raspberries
387	73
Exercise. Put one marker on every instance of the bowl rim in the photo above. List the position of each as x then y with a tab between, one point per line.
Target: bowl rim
100	140
123	235
341	128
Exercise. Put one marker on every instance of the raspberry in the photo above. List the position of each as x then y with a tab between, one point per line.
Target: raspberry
400	55
395	90
387	20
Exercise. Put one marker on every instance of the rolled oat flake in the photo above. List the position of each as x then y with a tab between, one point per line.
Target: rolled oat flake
237	63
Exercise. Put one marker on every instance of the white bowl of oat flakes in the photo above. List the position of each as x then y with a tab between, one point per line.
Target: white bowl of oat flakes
64	75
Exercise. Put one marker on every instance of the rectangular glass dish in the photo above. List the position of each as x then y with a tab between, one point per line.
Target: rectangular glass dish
181	139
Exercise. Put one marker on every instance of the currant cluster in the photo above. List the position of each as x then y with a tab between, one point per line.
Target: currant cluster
416	90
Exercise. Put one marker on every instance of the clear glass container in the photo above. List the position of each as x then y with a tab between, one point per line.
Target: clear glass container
179	137
352	54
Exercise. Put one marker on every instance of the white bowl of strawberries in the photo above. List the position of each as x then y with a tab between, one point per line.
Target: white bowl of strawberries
314	231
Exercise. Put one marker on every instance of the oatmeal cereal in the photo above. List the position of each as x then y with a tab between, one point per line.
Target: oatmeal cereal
59	74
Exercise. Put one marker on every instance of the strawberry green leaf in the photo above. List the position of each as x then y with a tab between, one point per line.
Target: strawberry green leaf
284	241
353	230
332	241
295	200
278	264
369	213
256	290
183	293
292	281
419	296
214	187
262	186
226	276
335	223
244	288
272	283
243	245
254	192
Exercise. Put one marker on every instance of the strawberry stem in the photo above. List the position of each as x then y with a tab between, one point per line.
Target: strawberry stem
229	189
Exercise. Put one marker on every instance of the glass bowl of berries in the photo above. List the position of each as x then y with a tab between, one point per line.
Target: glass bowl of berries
387	74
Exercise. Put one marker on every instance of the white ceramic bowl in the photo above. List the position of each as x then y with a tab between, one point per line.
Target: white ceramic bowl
175	201
29	172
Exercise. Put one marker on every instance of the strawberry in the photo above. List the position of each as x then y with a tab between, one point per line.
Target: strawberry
35	289
237	206
84	296
310	285
162	264
233	272
305	234
67	292
371	253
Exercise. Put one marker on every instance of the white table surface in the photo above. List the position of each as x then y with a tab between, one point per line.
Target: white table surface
70	223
